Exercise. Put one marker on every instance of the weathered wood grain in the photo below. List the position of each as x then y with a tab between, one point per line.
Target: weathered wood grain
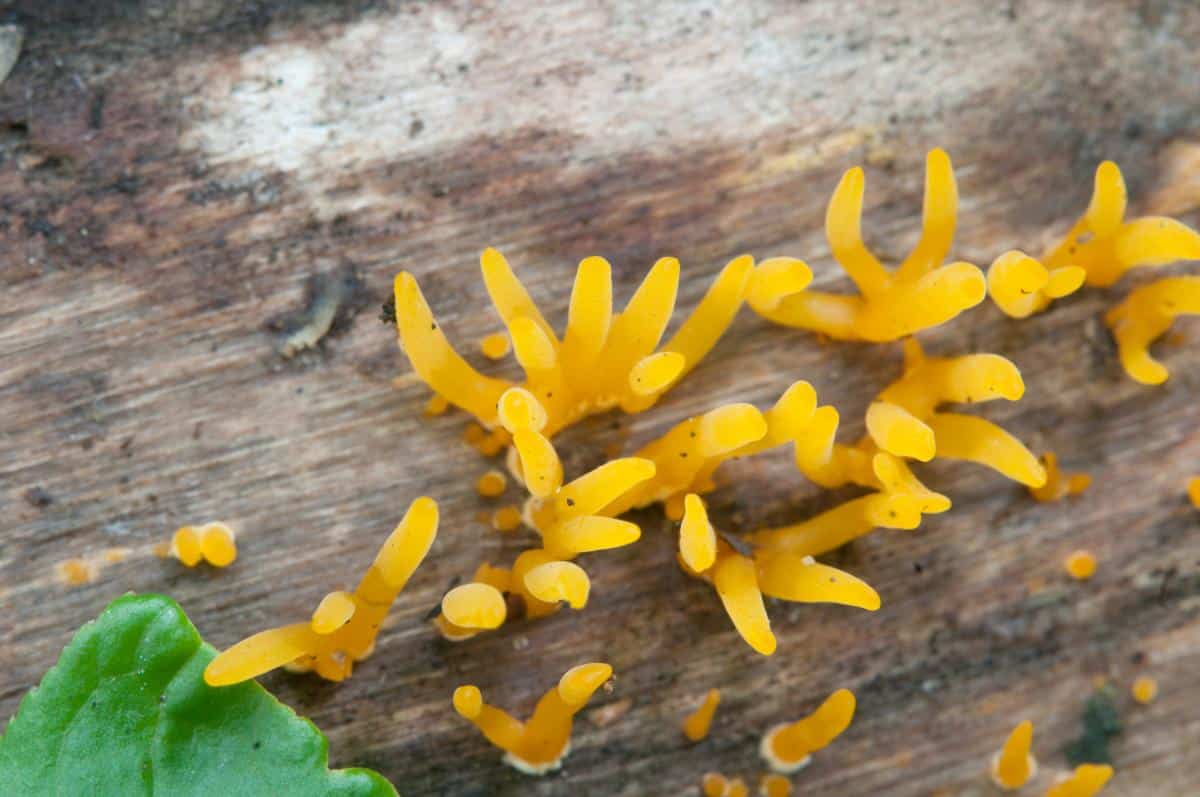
174	173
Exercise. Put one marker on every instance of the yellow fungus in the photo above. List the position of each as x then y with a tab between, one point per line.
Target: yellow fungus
1086	781
1021	286
603	361
905	421
494	346
476	605
1144	316
697	724
506	518
920	293
185	546
1081	565
775	785
559	581
218	545
437	405
838	526
1193	491
1014	765
491	484
789	747
697	539
686	457
737	788
1059	484
313	645
1144	689
486	579
539	745
1105	245
713	784
333	612
75	572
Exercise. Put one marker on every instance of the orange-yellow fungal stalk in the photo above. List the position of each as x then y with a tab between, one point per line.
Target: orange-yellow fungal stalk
1144	689
836	527
1145	315
1081	565
539	745
696	725
919	294
687	455
1105	245
1059	484
603	360
342	630
741	582
213	543
1014	765
1021	286
788	748
1086	781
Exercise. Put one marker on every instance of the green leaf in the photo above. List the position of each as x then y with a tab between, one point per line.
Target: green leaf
126	712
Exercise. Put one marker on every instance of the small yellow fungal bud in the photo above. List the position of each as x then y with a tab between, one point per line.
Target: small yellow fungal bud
1086	781
788	748
696	725
506	518
468	701
775	785
334	611
185	546
217	544
1014	766
737	585
713	784
74	572
697	539
559	581
475	605
1081	565
437	405
1021	286
491	484
737	788
494	346
1193	491
1144	690
1058	484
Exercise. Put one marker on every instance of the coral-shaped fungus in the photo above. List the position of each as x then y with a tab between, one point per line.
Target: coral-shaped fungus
1021	286
1145	315
602	360
1059	484
904	420
743	577
343	627
539	745
214	543
697	724
1014	765
1085	781
920	293
789	747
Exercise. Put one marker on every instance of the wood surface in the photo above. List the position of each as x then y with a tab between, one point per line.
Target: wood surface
176	175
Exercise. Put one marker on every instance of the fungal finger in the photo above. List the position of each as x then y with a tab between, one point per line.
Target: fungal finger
704	327
1086	781
977	378
728	428
653	374
696	725
590	313
1106	209
801	580
578	684
434	359
1156	241
407	545
981	441
261	653
594	533
787	748
475	606
507	293
1014	766
697	539
737	584
497	726
895	476
899	432
843	228
541	468
333	612
638	329
776	279
596	489
939	215
520	409
559	581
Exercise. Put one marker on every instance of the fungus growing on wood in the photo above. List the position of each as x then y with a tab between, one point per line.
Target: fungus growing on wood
214	543
1021	286
696	725
1193	491
1105	245
713	784
342	630
601	362
491	484
919	294
1085	781
789	747
1059	484
1145	315
1081	565
1144	689
487	579
477	606
495	346
539	745
1014	765
775	785
741	581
